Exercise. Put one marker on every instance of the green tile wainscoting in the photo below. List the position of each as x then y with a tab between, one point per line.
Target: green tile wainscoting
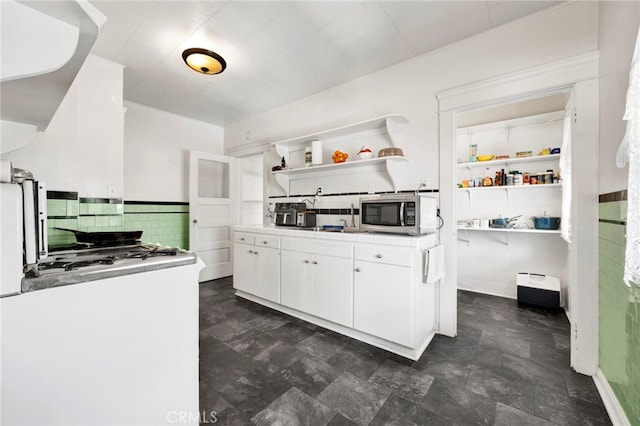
619	318
165	223
62	211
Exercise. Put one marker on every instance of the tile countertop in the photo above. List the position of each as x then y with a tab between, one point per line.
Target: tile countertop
416	241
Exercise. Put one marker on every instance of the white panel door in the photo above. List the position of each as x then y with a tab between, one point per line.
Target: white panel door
212	211
382	301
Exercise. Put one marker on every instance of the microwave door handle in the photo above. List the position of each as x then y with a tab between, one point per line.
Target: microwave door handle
402	213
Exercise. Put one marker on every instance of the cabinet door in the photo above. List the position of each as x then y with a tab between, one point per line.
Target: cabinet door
296	280
243	267
332	289
267	273
382	301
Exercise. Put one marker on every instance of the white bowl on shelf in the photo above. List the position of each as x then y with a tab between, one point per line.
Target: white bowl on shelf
365	155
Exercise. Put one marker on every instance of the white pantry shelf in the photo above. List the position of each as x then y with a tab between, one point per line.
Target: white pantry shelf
511	187
511	230
508	161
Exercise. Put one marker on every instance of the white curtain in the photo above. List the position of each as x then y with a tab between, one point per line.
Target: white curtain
629	151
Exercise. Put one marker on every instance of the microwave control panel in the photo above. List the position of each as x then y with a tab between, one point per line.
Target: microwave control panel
410	214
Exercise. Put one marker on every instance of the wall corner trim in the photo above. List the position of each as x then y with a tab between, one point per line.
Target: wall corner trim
614	409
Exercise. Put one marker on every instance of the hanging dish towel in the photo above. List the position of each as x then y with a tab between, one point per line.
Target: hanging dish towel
433	265
565	168
629	151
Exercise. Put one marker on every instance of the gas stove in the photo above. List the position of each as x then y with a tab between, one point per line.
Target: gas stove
90	264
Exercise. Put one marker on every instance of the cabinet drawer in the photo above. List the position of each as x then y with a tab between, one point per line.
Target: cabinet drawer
317	247
267	241
243	237
384	255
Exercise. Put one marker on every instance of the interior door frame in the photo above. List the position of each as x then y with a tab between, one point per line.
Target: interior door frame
580	75
194	199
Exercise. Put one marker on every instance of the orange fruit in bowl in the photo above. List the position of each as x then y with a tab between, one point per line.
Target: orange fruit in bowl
339	156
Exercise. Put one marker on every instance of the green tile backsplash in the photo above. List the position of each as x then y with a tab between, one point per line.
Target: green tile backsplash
162	223
619	348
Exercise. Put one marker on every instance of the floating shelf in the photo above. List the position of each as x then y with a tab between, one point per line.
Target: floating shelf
391	123
393	164
511	187
510	230
338	166
509	161
388	124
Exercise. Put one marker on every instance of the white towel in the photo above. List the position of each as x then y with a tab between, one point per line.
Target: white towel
433	265
630	151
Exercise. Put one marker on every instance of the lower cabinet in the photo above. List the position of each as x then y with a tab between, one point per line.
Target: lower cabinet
383	299
317	283
375	290
256	266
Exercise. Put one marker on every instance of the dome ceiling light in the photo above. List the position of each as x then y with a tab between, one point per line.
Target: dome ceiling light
204	61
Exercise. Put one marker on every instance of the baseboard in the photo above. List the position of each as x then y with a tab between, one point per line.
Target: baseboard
614	409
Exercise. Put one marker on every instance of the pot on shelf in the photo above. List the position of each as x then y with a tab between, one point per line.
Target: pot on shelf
546	222
502	222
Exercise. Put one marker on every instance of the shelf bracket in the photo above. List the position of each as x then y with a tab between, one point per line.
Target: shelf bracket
394	126
283	181
393	168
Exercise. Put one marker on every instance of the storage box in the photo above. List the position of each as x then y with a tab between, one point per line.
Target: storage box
539	290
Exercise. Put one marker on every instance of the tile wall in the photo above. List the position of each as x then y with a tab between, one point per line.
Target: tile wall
161	222
619	316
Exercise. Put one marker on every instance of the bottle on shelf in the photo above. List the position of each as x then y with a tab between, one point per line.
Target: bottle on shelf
487	180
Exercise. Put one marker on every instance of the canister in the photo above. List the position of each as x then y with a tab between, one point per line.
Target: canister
517	179
510	180
307	157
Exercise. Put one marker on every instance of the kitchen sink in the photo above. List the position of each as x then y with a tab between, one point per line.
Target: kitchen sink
347	230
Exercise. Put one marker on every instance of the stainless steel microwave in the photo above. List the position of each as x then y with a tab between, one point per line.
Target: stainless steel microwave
400	214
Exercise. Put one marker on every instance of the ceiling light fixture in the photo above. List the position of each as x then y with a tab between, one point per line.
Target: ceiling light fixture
204	61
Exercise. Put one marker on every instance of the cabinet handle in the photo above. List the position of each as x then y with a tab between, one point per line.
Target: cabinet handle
358	269
315	262
264	242
379	256
255	252
306	261
250	251
241	239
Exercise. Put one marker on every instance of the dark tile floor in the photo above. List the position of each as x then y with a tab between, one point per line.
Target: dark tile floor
507	366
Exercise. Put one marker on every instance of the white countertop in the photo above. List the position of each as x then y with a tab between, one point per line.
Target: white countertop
418	241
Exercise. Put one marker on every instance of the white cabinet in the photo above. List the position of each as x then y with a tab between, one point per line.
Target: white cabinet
317	282
383	299
256	265
376	133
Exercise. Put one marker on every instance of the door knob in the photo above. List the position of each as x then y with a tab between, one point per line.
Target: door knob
195	220
379	256
315	262
358	269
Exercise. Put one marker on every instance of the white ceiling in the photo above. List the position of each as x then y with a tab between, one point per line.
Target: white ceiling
277	52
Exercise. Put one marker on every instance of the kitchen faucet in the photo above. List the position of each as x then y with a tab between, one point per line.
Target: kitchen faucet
316	198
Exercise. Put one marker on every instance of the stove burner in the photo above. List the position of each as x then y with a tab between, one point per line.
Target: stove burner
143	253
71	265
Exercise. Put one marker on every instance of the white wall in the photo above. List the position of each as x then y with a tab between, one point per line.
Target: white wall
618	28
156	152
82	148
408	88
